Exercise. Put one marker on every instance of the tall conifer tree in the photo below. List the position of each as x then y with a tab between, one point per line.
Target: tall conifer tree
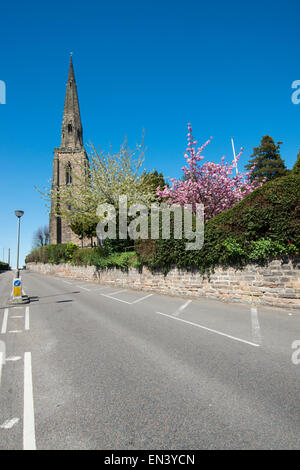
267	160
296	167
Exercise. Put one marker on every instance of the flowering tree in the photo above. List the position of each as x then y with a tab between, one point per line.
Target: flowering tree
211	184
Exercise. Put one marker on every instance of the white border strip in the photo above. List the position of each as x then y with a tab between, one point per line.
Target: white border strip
178	312
209	329
142	298
256	335
28	419
4	323
27	321
2	359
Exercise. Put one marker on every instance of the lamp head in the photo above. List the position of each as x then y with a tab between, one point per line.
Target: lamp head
19	213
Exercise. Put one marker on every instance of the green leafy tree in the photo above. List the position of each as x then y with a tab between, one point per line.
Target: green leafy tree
85	227
107	176
267	160
151	181
296	167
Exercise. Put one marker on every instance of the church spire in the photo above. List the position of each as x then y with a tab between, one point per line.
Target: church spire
71	133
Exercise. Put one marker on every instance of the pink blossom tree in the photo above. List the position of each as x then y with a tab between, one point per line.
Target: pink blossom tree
209	183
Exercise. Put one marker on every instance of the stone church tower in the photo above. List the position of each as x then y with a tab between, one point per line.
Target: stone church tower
70	154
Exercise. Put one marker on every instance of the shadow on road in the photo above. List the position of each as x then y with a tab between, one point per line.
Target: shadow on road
36	298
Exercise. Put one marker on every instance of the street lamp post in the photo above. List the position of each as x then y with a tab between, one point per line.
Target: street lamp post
19	214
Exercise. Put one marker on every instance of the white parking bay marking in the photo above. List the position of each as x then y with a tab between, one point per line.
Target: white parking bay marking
110	296
13	358
208	329
178	312
29	442
142	298
4	322
27	321
9	423
256	334
114	293
2	359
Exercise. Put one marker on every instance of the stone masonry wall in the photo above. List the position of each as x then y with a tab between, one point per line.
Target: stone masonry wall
277	284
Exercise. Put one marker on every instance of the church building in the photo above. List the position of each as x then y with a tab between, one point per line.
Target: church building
67	157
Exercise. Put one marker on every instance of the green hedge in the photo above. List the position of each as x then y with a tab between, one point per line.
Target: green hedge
101	257
54	254
264	225
4	266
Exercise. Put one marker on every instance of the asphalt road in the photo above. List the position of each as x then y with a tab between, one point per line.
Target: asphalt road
92	367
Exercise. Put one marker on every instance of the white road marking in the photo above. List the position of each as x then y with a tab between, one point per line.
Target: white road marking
110	296
9	423
17	316
2	359
67	282
27	321
13	358
84	288
118	292
256	335
15	331
178	312
209	329
142	298
4	323
115	298
29	442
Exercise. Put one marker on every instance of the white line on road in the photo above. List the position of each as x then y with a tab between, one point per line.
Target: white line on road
27	321
2	359
142	298
114	293
17	316
28	419
84	288
9	423
178	312
109	296
15	331
209	329
13	358
4	323
256	335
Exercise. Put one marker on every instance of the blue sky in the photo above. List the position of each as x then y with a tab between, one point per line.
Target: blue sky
226	67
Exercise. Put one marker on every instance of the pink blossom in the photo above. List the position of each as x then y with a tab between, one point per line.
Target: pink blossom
211	184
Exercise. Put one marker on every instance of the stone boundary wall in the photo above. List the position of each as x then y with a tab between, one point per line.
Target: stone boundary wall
276	284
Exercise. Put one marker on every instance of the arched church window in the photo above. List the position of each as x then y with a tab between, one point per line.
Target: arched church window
69	128
68	174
